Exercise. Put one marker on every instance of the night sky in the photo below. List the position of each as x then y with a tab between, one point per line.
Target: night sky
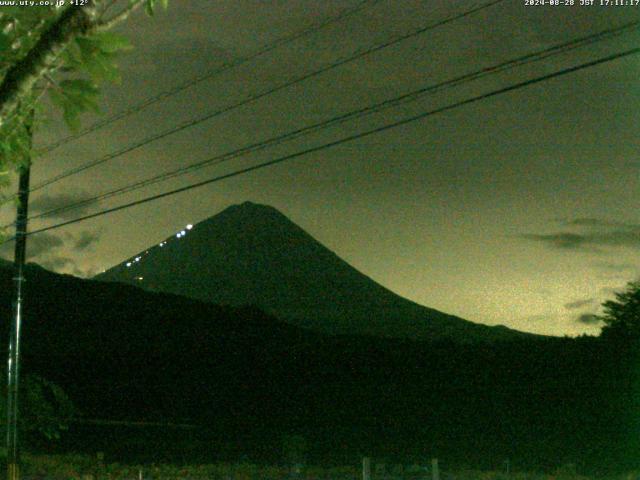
519	210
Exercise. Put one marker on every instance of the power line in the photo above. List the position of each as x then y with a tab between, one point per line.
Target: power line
411	96
201	78
253	98
357	136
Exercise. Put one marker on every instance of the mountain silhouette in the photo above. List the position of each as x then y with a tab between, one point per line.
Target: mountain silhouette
246	379
252	254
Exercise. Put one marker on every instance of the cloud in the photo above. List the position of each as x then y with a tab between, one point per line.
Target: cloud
56	263
569	241
53	252
579	303
592	235
588	319
616	267
43	244
594	222
37	245
617	271
619	238
85	240
612	290
57	202
86	272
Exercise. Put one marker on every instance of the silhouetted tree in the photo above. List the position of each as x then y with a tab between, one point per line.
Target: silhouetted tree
45	410
622	315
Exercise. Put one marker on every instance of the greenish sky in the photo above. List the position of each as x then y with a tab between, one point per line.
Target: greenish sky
520	210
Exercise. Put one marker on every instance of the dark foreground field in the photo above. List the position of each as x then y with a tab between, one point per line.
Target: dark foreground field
245	380
72	467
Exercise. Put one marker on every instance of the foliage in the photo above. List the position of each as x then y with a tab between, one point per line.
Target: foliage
73	71
622	315
45	408
151	6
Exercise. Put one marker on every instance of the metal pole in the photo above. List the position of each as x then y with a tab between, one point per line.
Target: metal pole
435	471
366	468
13	363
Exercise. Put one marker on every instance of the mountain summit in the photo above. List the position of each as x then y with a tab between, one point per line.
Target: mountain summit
252	254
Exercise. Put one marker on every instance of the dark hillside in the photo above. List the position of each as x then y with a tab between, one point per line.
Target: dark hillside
248	380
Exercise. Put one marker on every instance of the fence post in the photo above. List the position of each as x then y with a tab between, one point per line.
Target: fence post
100	470
435	472
366	468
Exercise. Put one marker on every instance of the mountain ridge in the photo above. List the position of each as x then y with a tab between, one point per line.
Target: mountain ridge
252	254
248	379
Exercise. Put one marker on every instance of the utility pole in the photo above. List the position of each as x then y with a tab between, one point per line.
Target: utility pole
13	363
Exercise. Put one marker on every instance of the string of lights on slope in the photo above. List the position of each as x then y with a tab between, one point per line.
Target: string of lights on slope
358	113
130	262
389	126
255	97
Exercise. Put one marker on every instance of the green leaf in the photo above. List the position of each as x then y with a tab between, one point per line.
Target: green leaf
15	145
71	115
71	56
149	7
79	86
98	56
12	11
57	98
110	42
5	44
87	48
101	67
75	97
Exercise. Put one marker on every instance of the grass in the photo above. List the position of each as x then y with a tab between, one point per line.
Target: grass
78	467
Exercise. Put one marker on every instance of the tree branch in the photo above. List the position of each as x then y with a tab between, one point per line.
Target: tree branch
119	17
22	77
107	6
